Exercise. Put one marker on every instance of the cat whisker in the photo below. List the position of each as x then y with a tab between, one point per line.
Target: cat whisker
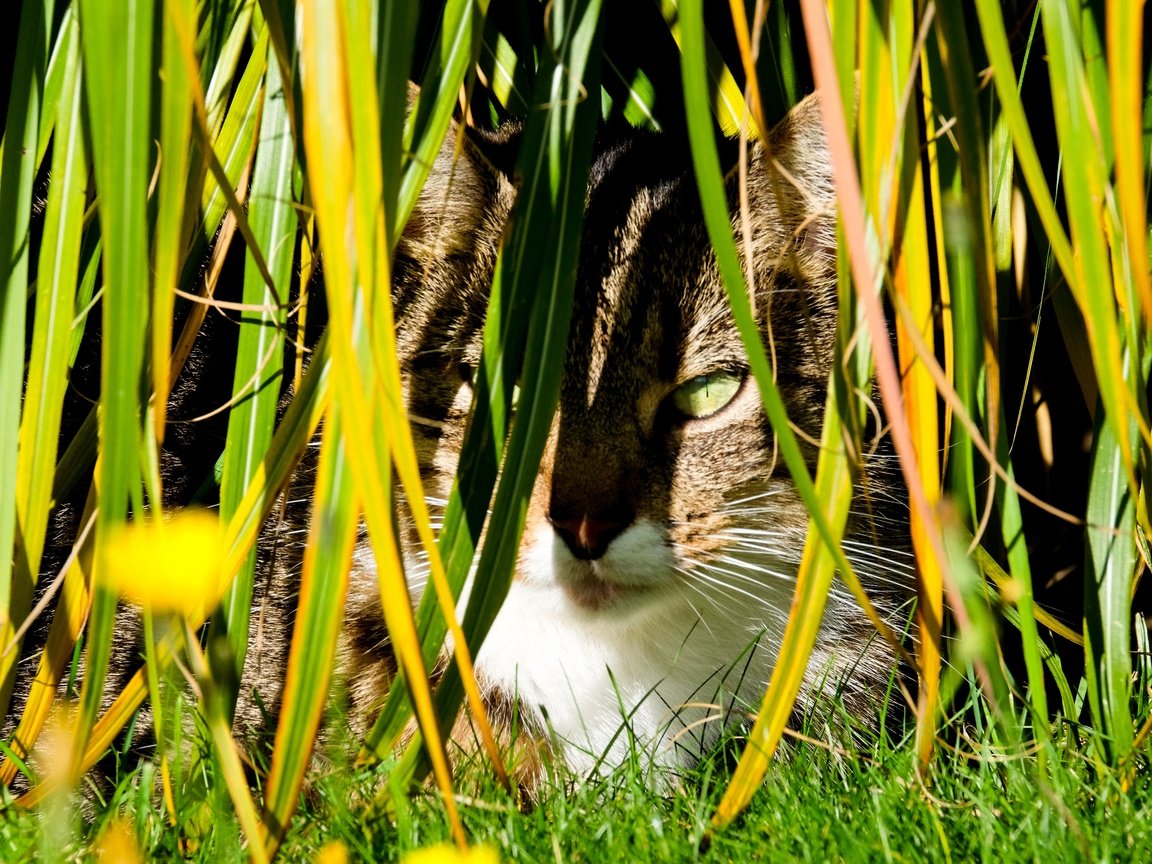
749	498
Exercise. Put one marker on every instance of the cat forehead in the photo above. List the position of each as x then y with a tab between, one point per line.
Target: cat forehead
647	280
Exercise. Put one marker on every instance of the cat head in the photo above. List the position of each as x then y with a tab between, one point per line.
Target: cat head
660	460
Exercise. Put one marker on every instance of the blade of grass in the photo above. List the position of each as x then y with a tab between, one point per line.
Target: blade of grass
118	76
17	171
1084	176
48	364
539	258
427	124
259	352
323	584
332	174
169	242
823	533
1125	40
62	48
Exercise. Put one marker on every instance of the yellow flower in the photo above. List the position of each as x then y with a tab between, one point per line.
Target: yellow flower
118	845
446	853
168	565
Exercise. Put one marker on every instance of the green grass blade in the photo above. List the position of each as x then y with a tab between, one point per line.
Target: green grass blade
822	553
48	364
428	121
1125	39
17	170
537	264
237	137
1110	566
1084	176
342	150
1003	75
323	584
169	244
260	354
54	81
118	74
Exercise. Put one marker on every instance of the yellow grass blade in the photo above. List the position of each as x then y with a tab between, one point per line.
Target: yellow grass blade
331	174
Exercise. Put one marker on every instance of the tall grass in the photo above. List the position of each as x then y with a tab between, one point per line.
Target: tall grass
991	176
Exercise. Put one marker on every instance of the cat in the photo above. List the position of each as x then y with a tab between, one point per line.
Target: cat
662	535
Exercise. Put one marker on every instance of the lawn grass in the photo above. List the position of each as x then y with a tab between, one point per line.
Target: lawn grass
818	803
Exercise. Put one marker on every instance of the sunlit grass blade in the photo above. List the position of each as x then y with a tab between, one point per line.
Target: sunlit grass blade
1004	76
236	139
323	584
503	72
118	77
217	718
1125	26
332	174
48	363
537	266
834	488
272	474
453	54
260	350
1110	567
17	170
62	48
1085	176
169	242
725	98
221	57
972	271
821	552
913	285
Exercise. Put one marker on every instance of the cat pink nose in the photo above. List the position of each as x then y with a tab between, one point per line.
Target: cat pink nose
587	535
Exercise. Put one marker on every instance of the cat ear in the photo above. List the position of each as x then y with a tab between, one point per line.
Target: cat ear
462	185
797	174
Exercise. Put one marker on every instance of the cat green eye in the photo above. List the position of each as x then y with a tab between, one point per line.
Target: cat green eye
704	395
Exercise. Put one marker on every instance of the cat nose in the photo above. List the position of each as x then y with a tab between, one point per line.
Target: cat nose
588	535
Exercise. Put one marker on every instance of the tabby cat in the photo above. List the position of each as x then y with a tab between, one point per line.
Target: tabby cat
662	537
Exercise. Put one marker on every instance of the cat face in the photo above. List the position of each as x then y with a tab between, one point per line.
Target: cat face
662	534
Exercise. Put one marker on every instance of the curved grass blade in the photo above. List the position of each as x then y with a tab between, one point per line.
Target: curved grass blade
169	243
323	584
1084	176
427	124
259	353
17	171
913	284
1125	25
834	491
118	74
1110	567
995	41
65	43
538	264
48	364
332	175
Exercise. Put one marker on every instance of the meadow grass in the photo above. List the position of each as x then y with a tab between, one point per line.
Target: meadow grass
992	177
819	802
